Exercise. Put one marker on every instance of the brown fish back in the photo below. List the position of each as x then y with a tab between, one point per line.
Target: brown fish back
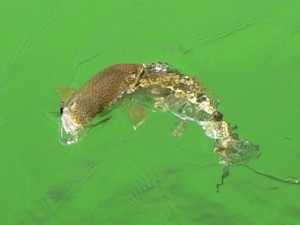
102	91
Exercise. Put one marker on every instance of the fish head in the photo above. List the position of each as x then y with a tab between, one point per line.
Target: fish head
69	123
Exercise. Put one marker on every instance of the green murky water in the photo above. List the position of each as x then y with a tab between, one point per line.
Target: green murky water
246	52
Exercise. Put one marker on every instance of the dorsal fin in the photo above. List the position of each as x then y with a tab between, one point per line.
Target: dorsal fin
64	93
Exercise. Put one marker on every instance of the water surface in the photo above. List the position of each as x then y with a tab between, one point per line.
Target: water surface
246	52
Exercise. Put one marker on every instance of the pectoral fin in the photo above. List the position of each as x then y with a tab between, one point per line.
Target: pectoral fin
137	114
101	122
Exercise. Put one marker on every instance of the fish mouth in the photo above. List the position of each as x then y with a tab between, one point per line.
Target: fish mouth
69	125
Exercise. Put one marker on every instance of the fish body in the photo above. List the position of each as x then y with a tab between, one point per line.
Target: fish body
173	91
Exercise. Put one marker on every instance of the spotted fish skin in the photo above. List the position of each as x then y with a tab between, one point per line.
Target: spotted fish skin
118	81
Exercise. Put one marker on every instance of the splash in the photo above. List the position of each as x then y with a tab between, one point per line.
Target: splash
184	96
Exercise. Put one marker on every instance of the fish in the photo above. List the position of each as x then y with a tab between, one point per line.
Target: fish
183	95
96	97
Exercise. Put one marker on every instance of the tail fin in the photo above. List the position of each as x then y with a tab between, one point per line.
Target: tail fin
239	151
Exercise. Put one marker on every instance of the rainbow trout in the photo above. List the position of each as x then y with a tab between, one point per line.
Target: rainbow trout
171	90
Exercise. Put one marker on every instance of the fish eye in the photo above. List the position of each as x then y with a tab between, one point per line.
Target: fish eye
62	106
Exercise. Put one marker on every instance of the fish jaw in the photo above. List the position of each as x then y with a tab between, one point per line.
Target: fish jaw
69	125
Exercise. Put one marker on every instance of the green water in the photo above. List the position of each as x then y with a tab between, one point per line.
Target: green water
247	52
